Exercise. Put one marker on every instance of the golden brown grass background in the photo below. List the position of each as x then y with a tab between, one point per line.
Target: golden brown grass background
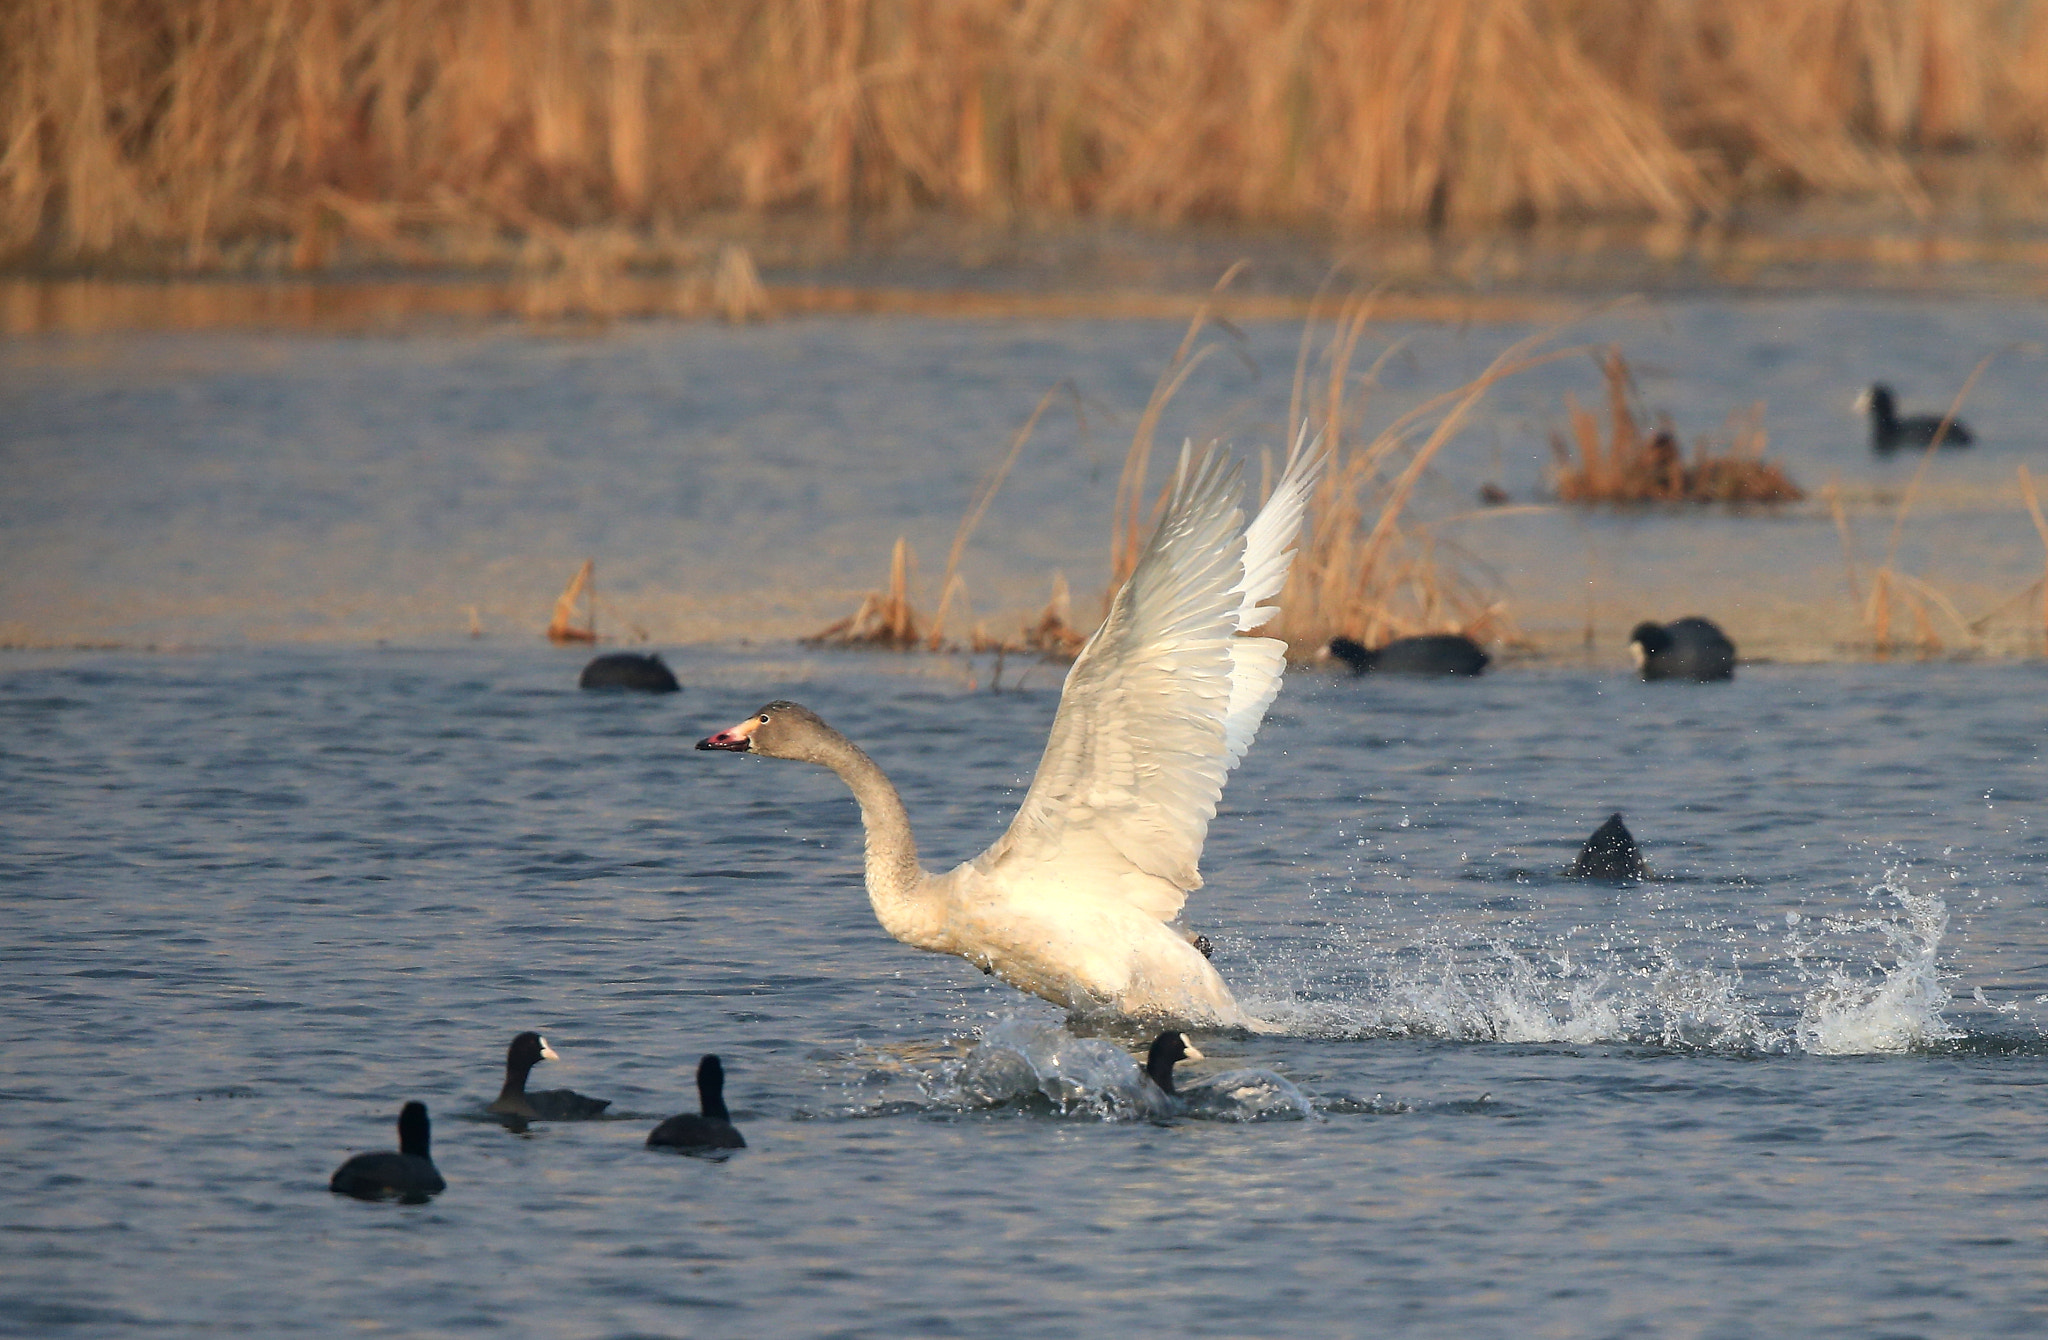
172	131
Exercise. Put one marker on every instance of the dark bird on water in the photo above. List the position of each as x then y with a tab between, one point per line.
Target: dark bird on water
1889	432
1611	853
1689	648
709	1128
527	1051
629	671
1430	654
409	1174
1168	1050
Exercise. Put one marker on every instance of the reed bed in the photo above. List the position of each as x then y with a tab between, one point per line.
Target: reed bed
307	132
1365	566
1368	567
1636	464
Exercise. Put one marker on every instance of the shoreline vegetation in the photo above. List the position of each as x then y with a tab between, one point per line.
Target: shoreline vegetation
1363	569
1368	570
583	139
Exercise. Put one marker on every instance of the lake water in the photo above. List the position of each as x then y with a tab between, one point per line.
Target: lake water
282	847
223	488
256	899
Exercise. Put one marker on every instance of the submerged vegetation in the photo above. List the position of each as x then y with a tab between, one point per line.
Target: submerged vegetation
1638	465
464	131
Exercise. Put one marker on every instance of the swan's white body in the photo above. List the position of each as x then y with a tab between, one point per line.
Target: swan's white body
1079	901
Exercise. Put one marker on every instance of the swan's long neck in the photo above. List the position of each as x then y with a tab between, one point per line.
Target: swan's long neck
898	887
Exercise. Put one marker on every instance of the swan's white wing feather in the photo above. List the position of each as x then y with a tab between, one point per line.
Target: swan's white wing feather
1258	663
1143	738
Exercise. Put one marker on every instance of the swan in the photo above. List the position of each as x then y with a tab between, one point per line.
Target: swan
1079	901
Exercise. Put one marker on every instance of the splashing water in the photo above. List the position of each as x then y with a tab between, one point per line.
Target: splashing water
1019	1059
1561	991
1902	1010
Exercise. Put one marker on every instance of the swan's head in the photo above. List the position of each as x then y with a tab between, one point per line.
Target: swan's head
779	730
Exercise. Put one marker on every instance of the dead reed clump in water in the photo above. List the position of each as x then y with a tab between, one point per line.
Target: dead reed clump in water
886	620
302	133
1634	465
563	628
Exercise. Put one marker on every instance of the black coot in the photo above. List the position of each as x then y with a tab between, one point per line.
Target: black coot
1889	432
629	671
1168	1050
711	1128
1689	648
527	1051
1430	654
1611	853
409	1174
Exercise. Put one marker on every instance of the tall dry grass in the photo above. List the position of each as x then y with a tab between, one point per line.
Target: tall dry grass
433	129
1366	565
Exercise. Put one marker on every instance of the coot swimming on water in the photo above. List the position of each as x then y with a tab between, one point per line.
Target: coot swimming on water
1430	654
1889	432
1168	1050
1611	853
630	671
1689	648
409	1174
711	1128
527	1051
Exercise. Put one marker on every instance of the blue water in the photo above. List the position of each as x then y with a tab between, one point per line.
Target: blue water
251	900
282	847
227	488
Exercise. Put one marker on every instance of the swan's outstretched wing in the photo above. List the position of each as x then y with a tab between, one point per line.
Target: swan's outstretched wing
1258	662
1164	699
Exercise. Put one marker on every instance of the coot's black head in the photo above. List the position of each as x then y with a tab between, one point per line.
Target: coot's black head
527	1051
1879	403
414	1134
1651	637
1168	1049
711	1088
1352	652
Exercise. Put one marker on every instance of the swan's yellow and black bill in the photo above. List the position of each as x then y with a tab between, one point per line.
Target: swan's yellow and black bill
736	739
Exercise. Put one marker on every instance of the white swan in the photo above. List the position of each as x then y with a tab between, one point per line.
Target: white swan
1078	902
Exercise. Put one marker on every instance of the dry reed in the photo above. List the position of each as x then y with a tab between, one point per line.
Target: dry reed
1366	568
583	586
886	620
1639	465
310	131
1891	588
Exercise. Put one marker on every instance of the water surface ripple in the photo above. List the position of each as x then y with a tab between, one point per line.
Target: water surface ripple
255	900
